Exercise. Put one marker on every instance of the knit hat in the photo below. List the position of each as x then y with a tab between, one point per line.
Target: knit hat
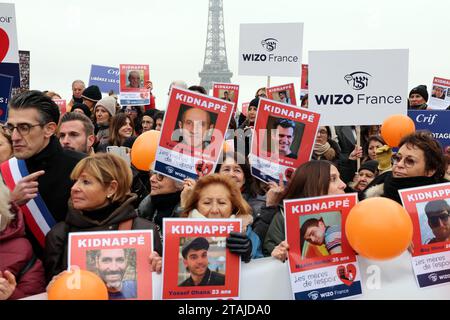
92	93
371	165
384	155
254	102
109	103
82	107
420	90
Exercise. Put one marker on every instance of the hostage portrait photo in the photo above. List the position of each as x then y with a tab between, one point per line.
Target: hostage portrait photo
202	261
283	137
320	234
194	126
117	269
227	95
434	221
135	79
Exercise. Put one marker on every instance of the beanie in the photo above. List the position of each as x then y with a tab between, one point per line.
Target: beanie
420	90
109	103
92	93
371	165
82	107
254	102
384	155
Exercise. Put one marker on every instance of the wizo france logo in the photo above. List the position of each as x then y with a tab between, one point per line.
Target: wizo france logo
433	277
313	295
358	80
269	44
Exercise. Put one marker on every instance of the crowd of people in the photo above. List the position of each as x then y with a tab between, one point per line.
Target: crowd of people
85	188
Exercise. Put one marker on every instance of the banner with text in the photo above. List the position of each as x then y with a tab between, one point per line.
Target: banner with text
9	50
436	121
106	78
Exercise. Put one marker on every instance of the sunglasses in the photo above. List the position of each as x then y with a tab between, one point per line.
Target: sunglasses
434	221
408	161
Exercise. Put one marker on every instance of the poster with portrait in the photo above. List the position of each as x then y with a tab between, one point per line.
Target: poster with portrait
228	92
429	209
440	94
133	82
119	258
197	264
192	134
244	108
283	139
9	50
62	105
322	264
284	94
5	94
304	80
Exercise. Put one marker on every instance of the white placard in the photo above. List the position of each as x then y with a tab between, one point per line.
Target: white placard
358	87
271	49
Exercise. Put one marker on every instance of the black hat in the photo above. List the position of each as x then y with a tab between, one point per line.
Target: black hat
437	208
420	90
92	93
82	107
371	165
254	102
199	243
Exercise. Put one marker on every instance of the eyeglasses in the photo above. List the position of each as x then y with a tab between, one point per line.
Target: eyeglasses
159	176
22	128
434	221
408	161
130	111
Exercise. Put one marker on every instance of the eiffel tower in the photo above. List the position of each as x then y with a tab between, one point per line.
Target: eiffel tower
215	65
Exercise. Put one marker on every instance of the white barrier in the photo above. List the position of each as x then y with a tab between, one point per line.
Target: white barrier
268	279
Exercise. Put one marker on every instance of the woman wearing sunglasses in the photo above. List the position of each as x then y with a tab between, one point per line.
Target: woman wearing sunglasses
418	162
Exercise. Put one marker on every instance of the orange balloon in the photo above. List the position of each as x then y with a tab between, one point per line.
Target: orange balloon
143	152
395	127
78	285
379	228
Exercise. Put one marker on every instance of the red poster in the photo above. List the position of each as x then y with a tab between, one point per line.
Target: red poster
61	103
283	139
227	92
304	81
283	94
192	134
321	262
245	108
120	258
197	264
133	81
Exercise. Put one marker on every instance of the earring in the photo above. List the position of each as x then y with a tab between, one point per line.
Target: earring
109	196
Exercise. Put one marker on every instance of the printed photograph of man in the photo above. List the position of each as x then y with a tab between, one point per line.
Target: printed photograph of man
111	265
283	97
227	95
287	135
134	79
196	262
438	92
193	127
437	213
320	235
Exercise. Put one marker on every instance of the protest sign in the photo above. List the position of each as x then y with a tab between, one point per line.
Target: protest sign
245	108
120	258
358	87
106	78
435	121
322	264
227	92
283	94
271	49
197	264
133	81
5	94
304	80
283	139
192	134
429	209
440	94
61	103
9	50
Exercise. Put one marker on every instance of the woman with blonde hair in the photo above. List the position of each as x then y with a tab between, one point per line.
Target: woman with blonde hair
100	200
217	196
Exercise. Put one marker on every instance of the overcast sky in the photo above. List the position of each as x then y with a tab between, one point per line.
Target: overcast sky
66	37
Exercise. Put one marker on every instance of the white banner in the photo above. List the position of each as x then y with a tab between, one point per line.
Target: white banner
359	87
271	49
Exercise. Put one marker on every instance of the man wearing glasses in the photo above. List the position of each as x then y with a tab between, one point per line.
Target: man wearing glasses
437	212
39	173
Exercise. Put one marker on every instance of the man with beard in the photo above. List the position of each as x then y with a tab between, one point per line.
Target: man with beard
195	259
111	266
438	212
76	132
